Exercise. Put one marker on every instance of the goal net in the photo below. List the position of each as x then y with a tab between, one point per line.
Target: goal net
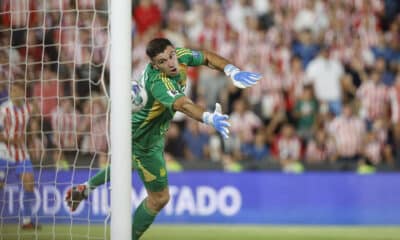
56	51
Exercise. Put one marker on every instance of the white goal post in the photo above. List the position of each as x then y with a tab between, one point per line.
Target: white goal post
120	131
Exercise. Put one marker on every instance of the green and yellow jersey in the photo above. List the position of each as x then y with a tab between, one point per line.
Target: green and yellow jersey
150	124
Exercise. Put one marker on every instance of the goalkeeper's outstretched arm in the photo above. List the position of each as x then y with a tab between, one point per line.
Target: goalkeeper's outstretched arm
241	79
216	119
214	60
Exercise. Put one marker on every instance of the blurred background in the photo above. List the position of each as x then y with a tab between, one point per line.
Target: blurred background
329	99
328	105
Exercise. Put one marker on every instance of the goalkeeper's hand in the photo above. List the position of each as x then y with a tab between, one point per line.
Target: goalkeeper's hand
241	79
218	120
75	195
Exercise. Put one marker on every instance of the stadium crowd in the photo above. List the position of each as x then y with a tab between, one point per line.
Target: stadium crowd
329	98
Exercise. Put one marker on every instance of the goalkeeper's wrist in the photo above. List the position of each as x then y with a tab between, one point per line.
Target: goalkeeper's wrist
207	118
88	189
230	69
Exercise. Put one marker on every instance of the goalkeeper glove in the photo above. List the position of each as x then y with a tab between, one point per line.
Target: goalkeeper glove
218	120
241	79
76	195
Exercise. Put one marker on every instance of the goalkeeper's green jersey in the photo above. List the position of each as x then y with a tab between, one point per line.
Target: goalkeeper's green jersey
150	124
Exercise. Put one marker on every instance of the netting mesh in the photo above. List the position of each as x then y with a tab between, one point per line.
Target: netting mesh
56	51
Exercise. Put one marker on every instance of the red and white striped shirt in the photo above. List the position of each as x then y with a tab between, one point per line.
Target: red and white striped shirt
374	100
18	13
288	148
395	102
294	83
373	150
243	124
94	125
296	5
348	134
319	153
86	4
13	122
315	153
64	124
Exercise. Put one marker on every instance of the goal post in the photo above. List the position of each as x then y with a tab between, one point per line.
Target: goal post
120	131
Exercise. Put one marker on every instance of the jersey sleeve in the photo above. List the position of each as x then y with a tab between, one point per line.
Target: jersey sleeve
190	57
165	92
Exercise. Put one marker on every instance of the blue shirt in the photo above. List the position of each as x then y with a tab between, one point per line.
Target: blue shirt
195	143
254	152
305	52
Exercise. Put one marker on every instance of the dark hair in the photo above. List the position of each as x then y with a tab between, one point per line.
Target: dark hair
157	46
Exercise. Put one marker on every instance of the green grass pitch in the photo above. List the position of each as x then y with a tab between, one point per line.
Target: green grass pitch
197	232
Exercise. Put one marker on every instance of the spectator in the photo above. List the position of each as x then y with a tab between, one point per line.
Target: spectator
359	51
243	121
306	111
93	124
238	12
351	81
372	148
374	98
64	121
387	77
257	150
294	79
288	150
325	73
349	88
380	49
47	91
305	47
385	137
193	26
174	25
175	148
348	132
196	141
35	141
210	84
18	14
147	16
320	149
312	16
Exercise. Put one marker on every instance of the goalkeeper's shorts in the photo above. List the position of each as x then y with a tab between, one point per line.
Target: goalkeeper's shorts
150	165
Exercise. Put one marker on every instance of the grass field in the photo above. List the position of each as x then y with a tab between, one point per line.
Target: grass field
208	232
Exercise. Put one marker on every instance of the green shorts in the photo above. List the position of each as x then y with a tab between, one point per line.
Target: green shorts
151	168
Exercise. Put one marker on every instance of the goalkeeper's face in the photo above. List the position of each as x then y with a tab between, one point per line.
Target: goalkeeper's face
167	62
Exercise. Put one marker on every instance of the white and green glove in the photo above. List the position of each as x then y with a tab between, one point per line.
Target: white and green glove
241	79
218	120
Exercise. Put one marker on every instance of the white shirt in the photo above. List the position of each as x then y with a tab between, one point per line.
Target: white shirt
325	75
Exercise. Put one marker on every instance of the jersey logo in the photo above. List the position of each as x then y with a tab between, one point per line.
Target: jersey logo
195	54
172	92
163	172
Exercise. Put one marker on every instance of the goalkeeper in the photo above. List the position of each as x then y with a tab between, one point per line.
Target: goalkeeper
164	81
